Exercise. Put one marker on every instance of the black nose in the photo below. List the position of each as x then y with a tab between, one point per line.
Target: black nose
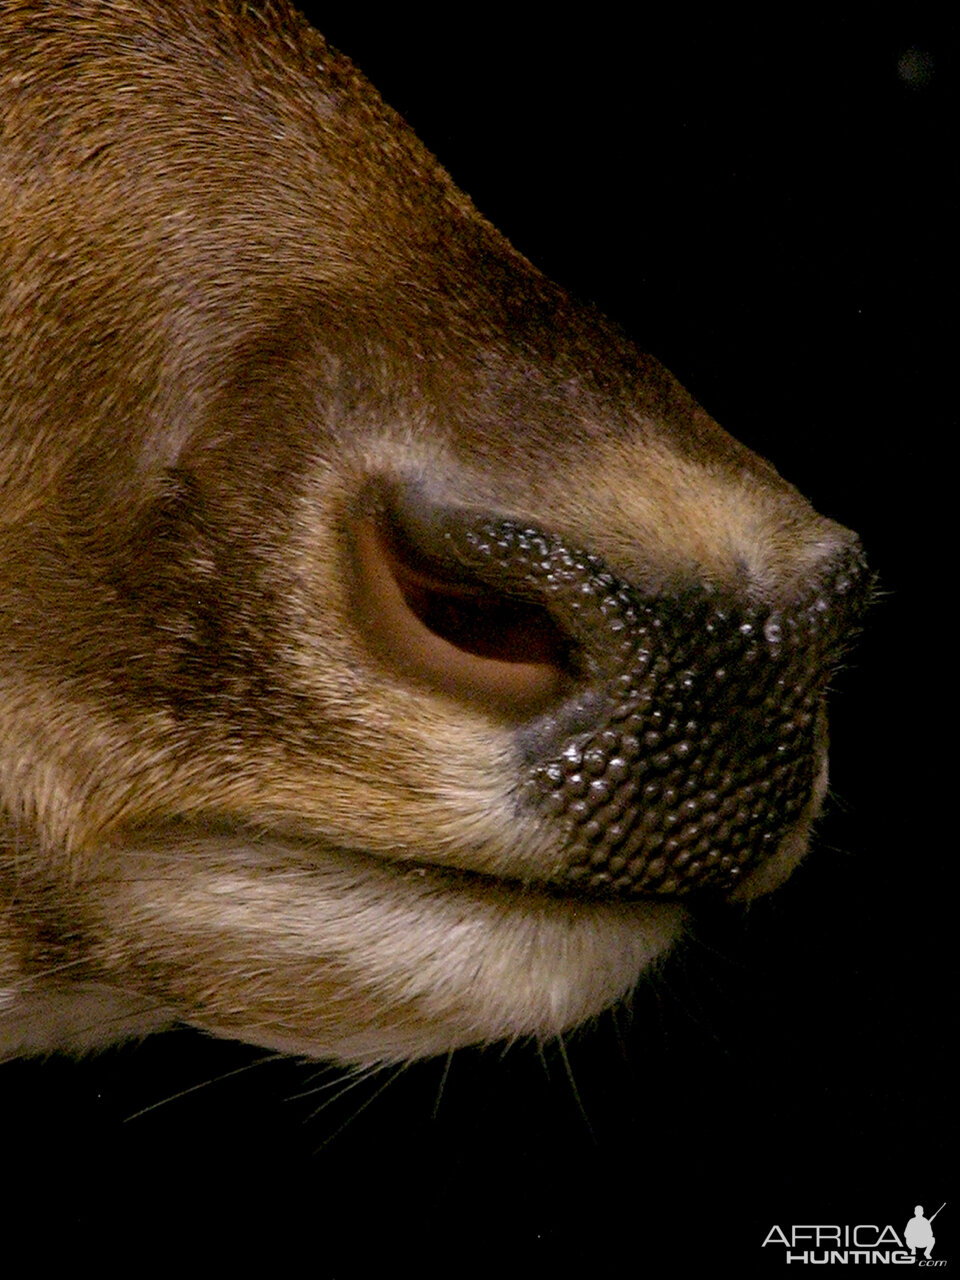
675	739
707	730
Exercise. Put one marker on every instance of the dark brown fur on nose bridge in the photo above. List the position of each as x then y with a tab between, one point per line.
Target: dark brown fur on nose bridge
685	745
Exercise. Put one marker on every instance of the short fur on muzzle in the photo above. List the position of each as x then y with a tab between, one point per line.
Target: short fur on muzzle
390	654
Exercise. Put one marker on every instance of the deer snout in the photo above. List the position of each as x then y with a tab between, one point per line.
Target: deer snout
674	741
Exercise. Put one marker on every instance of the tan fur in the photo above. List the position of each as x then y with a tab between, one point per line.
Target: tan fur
239	304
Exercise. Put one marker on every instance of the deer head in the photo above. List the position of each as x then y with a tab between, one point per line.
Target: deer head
390	654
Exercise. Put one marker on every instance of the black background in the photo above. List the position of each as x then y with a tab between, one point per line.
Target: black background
764	204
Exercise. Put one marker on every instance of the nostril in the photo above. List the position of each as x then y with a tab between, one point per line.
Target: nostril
431	615
468	613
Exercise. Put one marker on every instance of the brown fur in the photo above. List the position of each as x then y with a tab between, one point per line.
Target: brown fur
241	784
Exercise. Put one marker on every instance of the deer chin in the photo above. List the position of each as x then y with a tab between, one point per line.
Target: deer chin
415	960
371	959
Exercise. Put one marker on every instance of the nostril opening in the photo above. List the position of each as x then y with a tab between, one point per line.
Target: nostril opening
436	620
481	624
455	605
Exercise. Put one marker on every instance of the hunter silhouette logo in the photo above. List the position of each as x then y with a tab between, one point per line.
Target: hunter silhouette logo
820	1244
918	1233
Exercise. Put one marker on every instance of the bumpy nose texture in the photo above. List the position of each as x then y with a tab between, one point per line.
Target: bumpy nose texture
705	746
687	743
